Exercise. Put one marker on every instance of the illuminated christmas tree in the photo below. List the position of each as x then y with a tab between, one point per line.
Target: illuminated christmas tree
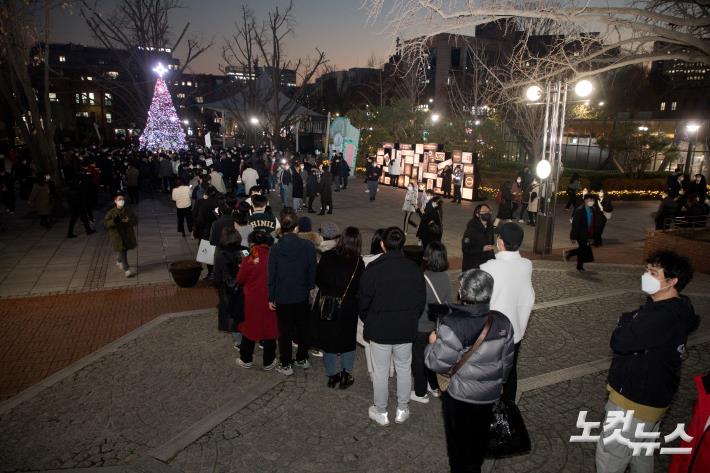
162	130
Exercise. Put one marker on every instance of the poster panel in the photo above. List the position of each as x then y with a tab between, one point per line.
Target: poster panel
409	160
405	146
468	181
439	156
432	168
430	146
407	170
467	193
456	157
466	158
419	148
443	164
468	169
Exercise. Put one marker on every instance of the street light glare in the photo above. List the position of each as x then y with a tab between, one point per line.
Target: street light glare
643	128
254	121
160	69
435	117
533	93
543	169
692	127
583	88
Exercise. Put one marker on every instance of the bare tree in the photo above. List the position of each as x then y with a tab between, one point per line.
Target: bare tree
627	34
133	31
265	42
24	43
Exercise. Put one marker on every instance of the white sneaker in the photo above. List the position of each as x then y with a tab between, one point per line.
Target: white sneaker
243	364
305	364
433	392
285	370
273	365
401	416
316	353
129	273
423	399
379	417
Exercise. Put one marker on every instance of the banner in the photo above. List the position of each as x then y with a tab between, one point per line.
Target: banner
345	139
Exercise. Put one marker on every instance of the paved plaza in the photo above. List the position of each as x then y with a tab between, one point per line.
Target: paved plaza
162	393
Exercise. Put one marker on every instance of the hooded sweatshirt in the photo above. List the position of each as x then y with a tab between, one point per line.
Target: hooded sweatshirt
648	345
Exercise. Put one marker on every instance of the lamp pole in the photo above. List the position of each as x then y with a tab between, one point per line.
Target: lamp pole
692	130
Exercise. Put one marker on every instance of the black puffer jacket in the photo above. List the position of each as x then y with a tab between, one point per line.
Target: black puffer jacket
481	379
392	297
648	346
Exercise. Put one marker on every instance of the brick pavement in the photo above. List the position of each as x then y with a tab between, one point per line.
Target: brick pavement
41	335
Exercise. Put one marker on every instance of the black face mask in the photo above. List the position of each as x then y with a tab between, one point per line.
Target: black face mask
486	217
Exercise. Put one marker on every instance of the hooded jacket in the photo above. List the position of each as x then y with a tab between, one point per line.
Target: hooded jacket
292	270
481	379
648	345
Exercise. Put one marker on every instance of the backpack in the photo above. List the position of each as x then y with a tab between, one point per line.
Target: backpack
499	197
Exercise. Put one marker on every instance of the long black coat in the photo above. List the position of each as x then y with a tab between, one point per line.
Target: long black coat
446	180
332	277
326	187
474	239
226	266
430	219
580	227
297	185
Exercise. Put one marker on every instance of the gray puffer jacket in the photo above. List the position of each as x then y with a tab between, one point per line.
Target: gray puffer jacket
481	379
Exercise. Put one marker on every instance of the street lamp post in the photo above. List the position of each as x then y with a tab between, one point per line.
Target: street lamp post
549	168
692	129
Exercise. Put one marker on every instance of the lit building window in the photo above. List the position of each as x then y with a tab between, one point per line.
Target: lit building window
53	97
62	58
112	74
199	99
86	98
181	95
663	106
674	105
189	83
82	114
108	99
109	118
89	78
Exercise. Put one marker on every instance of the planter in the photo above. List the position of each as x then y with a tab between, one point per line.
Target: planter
185	273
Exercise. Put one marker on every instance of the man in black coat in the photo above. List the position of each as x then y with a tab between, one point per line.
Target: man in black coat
667	210
649	346
392	297
478	240
326	191
586	221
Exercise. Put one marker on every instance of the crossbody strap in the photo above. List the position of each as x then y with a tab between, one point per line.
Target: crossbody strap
474	347
428	281
357	265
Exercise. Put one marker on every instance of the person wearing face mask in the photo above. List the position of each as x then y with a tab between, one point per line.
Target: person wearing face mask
478	240
410	205
606	208
699	187
517	192
119	222
586	221
533	202
667	211
431	225
649	346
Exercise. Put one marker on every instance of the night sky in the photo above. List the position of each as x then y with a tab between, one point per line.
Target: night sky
337	27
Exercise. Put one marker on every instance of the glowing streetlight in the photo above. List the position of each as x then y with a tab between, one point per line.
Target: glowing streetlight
692	127
435	117
477	122
643	128
254	121
543	169
533	93
431	100
583	88
186	121
601	104
160	69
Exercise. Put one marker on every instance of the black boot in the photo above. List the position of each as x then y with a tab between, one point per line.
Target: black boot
346	380
333	380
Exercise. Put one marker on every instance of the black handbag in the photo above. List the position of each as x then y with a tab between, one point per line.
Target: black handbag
508	434
329	306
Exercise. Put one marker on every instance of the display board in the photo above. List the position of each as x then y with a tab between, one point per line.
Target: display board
423	163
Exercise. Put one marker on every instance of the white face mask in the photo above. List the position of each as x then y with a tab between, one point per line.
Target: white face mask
120	203
518	180
649	284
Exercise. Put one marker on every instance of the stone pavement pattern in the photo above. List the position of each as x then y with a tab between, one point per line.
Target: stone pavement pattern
178	381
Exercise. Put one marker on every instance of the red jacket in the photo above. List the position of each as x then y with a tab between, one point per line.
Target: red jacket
259	321
700	456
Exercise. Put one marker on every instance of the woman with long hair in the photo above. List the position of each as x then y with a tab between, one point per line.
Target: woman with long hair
226	264
335	312
431	226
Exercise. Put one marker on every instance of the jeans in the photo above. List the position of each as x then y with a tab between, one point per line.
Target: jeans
122	257
287	195
330	360
246	351
467	430
297	203
510	388
343	181
615	457
184	215
293	324
381	356
423	376
372	188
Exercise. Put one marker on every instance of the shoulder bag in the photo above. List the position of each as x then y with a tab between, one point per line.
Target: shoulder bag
329	306
445	379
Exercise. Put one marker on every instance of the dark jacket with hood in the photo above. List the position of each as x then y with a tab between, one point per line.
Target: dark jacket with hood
649	345
292	270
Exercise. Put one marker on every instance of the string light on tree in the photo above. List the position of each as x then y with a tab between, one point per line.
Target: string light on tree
162	129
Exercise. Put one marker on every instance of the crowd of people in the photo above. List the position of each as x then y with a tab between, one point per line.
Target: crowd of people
283	284
684	202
